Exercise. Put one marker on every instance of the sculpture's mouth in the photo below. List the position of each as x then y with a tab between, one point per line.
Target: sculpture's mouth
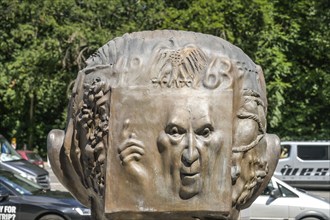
189	178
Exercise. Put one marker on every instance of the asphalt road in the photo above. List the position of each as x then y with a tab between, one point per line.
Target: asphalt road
56	185
321	193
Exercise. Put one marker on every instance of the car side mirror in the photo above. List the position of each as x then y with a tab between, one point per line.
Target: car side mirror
3	196
275	193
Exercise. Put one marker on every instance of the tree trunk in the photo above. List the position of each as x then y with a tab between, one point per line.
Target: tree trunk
31	122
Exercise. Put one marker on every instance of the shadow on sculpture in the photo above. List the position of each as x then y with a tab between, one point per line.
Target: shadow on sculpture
166	125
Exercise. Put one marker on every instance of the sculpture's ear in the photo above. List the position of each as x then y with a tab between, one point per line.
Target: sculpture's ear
271	154
62	166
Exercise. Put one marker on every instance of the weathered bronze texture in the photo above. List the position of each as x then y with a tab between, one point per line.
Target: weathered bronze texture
166	125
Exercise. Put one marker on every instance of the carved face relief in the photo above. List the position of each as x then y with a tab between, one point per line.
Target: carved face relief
188	145
180	159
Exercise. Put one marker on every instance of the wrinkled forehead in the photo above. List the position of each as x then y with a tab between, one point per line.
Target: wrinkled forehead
197	107
157	108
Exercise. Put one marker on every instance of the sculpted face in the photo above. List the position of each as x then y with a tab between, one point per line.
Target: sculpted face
188	145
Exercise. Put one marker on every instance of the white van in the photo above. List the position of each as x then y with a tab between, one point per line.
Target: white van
305	164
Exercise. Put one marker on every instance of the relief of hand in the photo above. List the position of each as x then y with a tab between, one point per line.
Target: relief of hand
130	153
130	150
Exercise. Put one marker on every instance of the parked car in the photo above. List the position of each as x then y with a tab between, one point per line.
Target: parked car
305	164
11	161
21	199
32	156
281	201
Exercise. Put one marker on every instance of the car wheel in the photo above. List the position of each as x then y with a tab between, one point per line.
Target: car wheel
311	218
51	217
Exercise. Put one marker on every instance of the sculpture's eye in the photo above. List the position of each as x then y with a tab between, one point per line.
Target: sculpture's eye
174	130
205	131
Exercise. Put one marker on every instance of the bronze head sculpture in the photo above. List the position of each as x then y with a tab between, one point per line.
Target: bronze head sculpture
166	125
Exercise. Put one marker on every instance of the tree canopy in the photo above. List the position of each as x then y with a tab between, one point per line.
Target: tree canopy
45	43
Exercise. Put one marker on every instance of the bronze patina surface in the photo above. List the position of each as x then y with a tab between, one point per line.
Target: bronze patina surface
166	125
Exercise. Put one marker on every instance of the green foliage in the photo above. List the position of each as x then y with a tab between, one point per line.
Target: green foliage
43	44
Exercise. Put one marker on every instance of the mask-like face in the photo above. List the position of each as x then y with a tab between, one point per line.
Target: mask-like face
188	144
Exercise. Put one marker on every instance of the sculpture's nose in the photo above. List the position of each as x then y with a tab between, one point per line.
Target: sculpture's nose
190	153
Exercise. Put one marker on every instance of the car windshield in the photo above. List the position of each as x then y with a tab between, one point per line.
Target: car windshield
7	152
268	189
20	184
285	192
33	156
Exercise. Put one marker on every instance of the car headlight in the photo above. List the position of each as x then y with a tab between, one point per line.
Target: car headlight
29	177
83	211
